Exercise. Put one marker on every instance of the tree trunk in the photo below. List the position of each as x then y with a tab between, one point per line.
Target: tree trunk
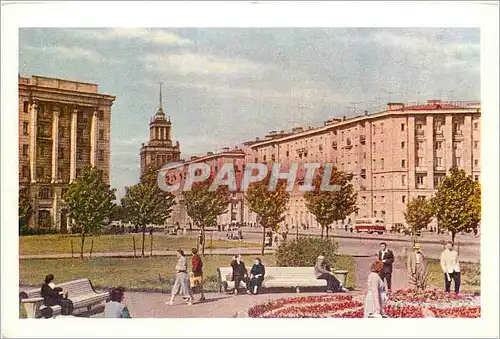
83	241
143	239
453	233
263	239
327	232
203	241
322	229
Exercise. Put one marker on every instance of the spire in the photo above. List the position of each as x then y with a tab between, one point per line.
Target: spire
160	109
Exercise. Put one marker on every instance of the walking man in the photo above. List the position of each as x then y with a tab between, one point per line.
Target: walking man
387	258
451	267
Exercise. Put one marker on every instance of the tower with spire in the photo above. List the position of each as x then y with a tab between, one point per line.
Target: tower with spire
159	150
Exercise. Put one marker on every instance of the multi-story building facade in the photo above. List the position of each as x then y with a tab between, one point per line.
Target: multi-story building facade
395	155
236	208
159	150
63	126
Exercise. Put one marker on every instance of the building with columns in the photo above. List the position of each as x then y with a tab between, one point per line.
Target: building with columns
160	149
63	126
400	153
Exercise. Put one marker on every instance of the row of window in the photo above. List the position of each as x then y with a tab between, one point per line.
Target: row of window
44	131
41	109
42	150
41	173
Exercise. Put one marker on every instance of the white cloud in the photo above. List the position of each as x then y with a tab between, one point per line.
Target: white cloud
190	63
70	53
155	36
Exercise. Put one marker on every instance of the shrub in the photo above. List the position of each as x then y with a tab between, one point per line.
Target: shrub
472	273
304	252
25	230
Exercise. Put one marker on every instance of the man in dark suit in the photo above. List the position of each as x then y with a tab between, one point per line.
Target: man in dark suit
387	258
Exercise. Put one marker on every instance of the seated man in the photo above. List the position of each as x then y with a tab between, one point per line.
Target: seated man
322	271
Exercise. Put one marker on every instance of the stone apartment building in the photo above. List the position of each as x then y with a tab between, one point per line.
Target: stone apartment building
395	155
63	126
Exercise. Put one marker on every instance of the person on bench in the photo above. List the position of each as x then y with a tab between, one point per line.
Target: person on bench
256	276
52	295
240	272
116	307
323	271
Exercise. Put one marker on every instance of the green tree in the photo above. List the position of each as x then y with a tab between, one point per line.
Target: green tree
145	205
89	200
203	206
457	203
418	215
330	206
270	206
25	208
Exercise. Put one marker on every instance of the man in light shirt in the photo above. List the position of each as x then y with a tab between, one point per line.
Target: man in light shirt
451	267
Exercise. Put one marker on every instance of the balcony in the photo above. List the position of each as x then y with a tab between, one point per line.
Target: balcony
421	169
458	135
420	133
348	144
439	169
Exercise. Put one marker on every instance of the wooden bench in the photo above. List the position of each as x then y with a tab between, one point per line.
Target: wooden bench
80	292
282	277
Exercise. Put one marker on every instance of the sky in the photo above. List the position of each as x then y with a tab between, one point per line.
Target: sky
225	86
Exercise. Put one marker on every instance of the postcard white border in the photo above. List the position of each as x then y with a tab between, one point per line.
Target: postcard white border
246	14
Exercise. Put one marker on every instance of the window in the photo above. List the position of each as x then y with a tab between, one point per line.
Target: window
39	172
457	161
476	125
382	163
374	147
79	154
101	155
382	128
364	155
60	153
25	172
374	181
25	128
287	153
60	173
403	180
264	158
402	144
100	115
403	163
403	199
78	170
363	199
256	159
476	162
382	182
439	144
61	132
342	136
383	213
44	218
420	161
476	177
25	150
420	127
420	145
374	213
457	145
476	144
26	106
420	179
373	126
402	127
439	162
101	134
42	149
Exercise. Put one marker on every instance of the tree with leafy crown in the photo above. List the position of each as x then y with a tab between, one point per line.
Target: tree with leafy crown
89	200
457	203
270	206
203	205
418	215
330	206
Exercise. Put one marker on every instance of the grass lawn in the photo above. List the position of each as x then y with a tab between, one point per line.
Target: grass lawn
147	274
470	274
57	243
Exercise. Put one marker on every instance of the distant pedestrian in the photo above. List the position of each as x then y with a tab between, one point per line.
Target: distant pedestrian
181	284
451	267
386	257
417	267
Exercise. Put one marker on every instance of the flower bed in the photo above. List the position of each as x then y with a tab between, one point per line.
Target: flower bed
402	304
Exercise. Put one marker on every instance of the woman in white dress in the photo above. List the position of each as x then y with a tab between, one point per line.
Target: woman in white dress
181	284
374	302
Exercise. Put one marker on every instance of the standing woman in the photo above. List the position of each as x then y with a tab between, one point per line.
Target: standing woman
181	284
256	276
374	301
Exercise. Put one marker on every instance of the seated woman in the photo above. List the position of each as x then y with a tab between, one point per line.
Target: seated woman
239	272
116	307
257	274
53	296
375	296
